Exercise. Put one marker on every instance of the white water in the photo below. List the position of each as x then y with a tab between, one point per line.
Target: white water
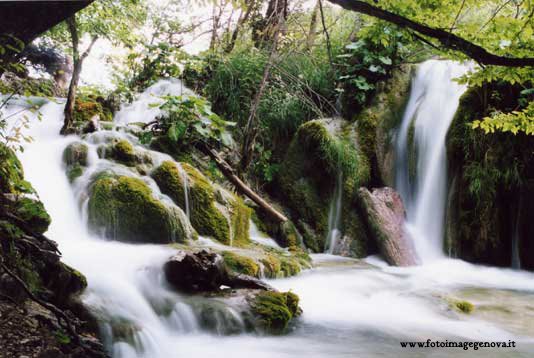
351	309
433	102
334	217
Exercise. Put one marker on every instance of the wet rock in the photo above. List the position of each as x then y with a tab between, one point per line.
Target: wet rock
124	208
205	271
385	216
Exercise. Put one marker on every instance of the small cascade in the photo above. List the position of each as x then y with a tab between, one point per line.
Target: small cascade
185	179
334	216
421	172
516	259
258	237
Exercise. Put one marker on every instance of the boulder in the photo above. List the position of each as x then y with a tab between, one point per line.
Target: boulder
125	209
75	158
385	216
205	271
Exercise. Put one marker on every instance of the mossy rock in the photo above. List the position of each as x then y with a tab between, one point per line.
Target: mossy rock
11	173
34	214
225	220
124	208
275	310
241	264
86	108
75	157
322	152
376	124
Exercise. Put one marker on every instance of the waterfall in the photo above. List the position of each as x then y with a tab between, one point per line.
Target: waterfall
334	216
420	145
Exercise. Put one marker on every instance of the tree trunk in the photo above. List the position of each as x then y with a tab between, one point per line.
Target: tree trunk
78	61
312	33
447	39
229	173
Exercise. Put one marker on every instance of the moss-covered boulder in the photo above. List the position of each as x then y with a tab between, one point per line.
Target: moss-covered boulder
241	264
33	212
324	156
123	152
213	211
125	209
86	107
275	310
75	157
11	173
376	124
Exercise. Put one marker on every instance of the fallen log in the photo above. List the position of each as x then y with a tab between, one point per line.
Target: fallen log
243	188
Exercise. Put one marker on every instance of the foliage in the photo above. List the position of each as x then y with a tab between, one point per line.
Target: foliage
188	120
515	121
379	49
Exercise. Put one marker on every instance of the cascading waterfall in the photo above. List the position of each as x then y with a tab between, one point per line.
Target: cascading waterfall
516	259
334	216
141	317
421	173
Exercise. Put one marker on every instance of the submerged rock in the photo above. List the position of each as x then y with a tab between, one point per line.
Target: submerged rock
274	310
213	211
124	209
385	216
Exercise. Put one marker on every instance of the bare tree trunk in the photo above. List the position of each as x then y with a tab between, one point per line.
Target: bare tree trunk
243	18
312	33
78	61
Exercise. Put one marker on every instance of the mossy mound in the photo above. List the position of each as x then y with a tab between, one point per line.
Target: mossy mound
34	213
123	152
322	155
75	158
222	216
275	310
124	208
241	264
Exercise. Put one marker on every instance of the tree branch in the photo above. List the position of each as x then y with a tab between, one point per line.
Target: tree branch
447	39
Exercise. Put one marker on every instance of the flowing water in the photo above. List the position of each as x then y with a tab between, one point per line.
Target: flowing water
351	308
334	216
421	162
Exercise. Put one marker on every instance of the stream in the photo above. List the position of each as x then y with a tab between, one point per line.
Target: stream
352	308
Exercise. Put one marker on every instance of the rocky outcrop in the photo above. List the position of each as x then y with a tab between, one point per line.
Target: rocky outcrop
124	208
36	288
205	271
489	214
322	152
385	216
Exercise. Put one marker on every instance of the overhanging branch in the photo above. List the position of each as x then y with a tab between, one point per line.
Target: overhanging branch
447	39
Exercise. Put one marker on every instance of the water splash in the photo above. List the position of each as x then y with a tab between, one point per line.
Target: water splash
185	180
433	102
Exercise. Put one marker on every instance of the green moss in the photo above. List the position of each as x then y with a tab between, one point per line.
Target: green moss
240	222
206	218
241	264
86	108
463	306
125	209
310	172
11	173
123	151
275	310
76	153
34	214
289	267
74	172
272	266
